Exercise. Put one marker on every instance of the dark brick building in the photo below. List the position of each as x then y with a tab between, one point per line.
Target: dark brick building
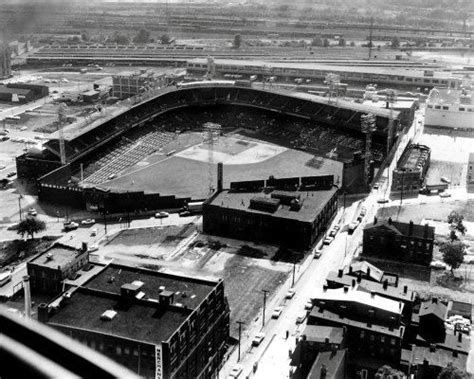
399	241
411	169
158	325
292	218
59	262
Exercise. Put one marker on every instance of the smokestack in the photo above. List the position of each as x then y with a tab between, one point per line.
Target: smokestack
26	288
220	176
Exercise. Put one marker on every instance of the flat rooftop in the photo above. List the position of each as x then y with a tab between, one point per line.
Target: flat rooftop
411	157
144	321
331	361
189	292
56	255
439	357
420	73
319	333
312	203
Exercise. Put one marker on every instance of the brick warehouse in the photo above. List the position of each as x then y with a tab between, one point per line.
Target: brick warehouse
291	212
183	322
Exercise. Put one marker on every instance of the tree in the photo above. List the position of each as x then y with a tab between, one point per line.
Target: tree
342	42
326	42
121	39
85	36
352	43
455	221
30	226
165	39
395	43
237	41
452	372
317	41
453	254
143	36
386	370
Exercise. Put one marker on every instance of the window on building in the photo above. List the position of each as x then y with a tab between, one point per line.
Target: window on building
126	350
392	341
372	337
362	334
118	350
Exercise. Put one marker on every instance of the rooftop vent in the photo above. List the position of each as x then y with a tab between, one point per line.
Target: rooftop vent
49	256
140	295
108	315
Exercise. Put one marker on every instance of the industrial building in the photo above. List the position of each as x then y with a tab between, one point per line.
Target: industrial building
410	173
406	243
291	212
127	85
156	324
288	71
470	170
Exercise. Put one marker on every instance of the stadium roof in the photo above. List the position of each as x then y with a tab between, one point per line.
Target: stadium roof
312	203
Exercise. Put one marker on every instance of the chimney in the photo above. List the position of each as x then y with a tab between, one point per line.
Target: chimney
350	269
43	312
368	271
325	288
432	348
455	354
372	294
353	283
434	300
390	221
359	277
425	364
326	341
460	337
410	228
27	289
84	247
346	289
339	273
220	176
344	331
385	284
425	232
375	220
405	289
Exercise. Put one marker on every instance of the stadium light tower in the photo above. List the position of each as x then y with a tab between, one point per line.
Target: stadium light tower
368	126
332	80
211	135
61	119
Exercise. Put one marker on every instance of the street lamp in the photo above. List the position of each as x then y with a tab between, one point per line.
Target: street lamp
264	304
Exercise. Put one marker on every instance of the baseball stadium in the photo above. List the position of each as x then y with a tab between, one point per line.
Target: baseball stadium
163	152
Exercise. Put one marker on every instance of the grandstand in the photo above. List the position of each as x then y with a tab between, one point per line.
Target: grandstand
311	124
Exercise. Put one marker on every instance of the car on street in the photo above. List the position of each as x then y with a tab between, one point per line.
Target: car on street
257	340
444	194
70	225
10	174
291	293
88	221
328	240
438	265
332	233
93	232
308	305
236	371
301	317
92	248
161	214
184	214
317	254
32	212
383	200
277	312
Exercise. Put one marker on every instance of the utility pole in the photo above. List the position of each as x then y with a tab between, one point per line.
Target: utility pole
19	206
294	266
264	304
240	331
370	36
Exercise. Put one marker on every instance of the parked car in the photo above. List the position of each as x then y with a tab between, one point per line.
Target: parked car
93	232
444	194
70	225
383	200
309	305
32	212
236	371
301	317
318	254
161	214
438	265
291	293
92	248
277	312
10	174
328	240
88	221
257	340
184	214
